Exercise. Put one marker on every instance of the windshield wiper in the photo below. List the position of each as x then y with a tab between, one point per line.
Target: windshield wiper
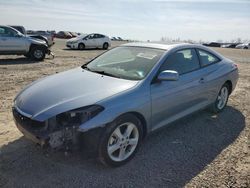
99	72
85	67
105	73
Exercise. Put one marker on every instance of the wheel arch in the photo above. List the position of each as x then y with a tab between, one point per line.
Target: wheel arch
32	46
230	86
142	120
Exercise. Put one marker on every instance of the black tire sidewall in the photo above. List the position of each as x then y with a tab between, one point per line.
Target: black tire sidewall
103	153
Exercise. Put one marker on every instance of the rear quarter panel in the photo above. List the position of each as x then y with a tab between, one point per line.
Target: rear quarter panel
216	75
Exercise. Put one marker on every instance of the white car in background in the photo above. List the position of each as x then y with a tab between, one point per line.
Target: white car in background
243	46
93	40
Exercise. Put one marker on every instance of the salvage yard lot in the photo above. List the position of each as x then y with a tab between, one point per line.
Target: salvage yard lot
201	150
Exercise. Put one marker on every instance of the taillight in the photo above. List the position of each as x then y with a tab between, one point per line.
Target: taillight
234	65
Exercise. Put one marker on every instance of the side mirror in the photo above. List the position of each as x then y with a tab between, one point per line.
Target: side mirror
168	75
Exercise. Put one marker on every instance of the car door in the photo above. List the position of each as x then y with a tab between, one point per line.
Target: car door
171	100
90	41
210	67
11	41
100	40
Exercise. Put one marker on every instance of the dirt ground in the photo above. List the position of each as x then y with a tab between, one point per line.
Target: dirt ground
203	150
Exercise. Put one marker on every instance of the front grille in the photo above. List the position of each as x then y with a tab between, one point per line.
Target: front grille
26	122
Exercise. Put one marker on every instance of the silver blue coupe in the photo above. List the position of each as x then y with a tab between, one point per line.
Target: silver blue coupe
111	103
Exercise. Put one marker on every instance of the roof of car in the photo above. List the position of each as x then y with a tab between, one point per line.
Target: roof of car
158	45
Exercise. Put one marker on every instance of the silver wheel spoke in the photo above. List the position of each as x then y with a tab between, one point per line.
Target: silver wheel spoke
129	130
118	133
113	148
133	141
122	153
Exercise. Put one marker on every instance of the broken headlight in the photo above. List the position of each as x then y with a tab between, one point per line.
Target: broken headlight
78	116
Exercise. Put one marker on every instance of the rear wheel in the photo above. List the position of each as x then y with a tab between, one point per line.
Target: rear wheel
105	46
81	46
121	141
38	53
221	100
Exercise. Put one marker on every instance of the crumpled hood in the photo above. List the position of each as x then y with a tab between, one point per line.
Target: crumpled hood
68	90
36	41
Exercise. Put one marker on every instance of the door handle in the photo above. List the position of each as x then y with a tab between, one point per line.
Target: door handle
202	80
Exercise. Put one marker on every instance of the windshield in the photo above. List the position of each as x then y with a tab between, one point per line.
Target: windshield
132	63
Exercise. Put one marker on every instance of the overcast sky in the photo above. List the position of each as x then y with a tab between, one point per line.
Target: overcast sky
134	19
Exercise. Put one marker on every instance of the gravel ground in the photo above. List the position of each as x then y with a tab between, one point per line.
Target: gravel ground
202	150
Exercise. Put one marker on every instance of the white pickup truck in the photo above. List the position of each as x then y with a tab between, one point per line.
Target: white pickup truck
12	42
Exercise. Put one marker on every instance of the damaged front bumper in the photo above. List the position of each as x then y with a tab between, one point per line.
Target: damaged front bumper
46	133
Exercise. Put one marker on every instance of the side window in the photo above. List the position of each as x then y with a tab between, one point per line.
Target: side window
182	61
207	58
91	36
2	31
6	32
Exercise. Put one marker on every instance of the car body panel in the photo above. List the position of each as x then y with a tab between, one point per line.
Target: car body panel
66	91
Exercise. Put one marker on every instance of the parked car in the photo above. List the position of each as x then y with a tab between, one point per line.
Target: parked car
63	35
73	34
42	35
212	44
12	42
243	46
232	45
114	38
93	40
115	100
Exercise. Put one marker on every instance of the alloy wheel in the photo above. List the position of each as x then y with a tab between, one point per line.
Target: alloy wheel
123	141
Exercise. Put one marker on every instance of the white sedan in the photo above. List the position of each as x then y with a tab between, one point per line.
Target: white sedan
243	46
89	41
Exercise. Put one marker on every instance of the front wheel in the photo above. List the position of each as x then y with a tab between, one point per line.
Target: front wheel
105	46
121	141
38	53
81	46
221	100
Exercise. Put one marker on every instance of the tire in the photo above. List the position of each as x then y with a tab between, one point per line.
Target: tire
221	100
245	48
38	53
81	46
116	147
105	46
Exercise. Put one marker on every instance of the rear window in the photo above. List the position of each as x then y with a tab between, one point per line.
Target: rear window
207	58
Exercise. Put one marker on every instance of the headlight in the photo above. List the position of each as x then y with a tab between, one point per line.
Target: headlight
78	116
